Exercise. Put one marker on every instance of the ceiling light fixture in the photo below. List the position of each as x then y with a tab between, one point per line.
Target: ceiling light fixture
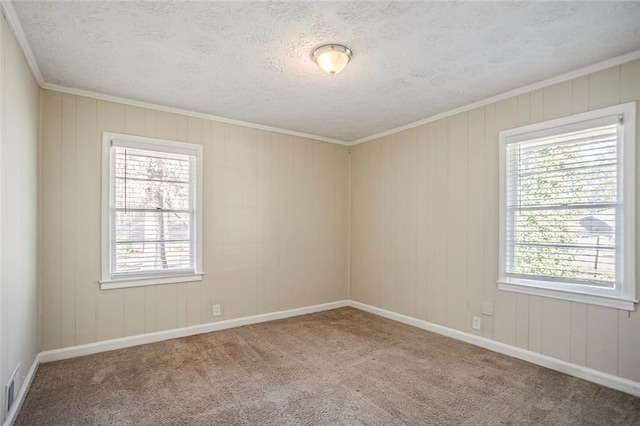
332	58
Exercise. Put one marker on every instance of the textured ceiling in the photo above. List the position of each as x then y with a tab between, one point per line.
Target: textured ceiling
251	61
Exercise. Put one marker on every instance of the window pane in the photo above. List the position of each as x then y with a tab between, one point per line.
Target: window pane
152	213
146	180
132	194
567	243
155	257
561	207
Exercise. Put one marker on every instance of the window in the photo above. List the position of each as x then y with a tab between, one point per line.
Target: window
151	208
567	208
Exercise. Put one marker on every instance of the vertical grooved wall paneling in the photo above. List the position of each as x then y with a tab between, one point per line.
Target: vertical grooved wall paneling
474	207
109	304
424	226
274	228
454	215
50	235
19	124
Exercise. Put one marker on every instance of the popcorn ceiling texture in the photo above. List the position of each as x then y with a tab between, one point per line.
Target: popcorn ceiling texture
251	60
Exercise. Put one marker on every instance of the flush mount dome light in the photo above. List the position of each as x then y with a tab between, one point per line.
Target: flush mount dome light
332	58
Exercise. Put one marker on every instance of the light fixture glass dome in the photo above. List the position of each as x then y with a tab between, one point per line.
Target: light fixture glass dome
332	58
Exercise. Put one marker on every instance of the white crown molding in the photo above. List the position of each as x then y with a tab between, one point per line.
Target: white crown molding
619	60
14	23
18	32
164	108
595	376
16	27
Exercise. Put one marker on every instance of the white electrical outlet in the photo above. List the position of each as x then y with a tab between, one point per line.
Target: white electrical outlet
216	310
476	323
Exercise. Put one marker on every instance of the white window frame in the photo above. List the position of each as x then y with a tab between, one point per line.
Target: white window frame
152	144
624	295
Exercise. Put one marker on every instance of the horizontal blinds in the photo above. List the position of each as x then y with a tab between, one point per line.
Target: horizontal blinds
562	198
152	212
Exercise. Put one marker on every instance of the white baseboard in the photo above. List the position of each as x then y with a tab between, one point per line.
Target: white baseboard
595	376
17	404
143	339
604	379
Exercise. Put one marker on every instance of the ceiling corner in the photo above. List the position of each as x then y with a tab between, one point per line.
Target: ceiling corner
16	28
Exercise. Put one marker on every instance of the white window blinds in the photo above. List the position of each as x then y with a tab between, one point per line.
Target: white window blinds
563	205
152	211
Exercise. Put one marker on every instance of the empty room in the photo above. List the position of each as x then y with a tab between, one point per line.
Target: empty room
319	213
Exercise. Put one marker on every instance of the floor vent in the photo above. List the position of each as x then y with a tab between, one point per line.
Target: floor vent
10	392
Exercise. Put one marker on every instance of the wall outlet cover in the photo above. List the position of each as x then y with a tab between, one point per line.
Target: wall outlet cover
477	322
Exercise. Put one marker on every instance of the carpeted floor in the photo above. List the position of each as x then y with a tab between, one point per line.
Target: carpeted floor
337	367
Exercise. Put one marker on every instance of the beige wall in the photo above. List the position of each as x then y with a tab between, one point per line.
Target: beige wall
275	224
19	113
425	229
424	226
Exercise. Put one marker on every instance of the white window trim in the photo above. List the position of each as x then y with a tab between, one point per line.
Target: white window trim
107	283
625	298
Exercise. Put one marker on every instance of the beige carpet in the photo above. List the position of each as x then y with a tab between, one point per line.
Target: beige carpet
337	367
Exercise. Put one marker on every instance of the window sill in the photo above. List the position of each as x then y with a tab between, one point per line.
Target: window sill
139	282
591	299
